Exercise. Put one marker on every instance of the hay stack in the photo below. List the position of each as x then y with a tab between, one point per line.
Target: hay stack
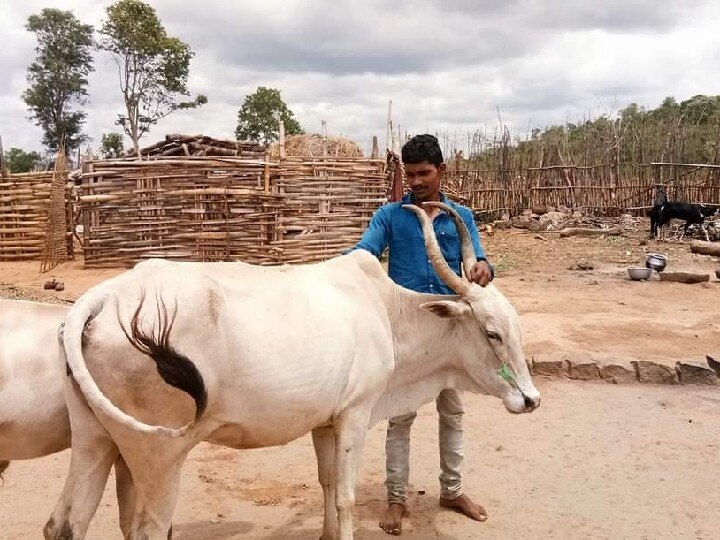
311	144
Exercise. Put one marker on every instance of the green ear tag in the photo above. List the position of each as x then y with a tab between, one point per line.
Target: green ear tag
505	373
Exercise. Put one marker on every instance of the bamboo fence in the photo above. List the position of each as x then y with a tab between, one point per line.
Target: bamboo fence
25	204
224	209
328	204
596	189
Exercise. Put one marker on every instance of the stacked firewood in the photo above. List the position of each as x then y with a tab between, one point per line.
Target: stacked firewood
201	145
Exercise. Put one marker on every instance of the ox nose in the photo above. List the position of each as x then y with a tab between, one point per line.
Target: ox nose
532	403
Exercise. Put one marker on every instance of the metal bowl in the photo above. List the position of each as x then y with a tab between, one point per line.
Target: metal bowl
656	262
639	274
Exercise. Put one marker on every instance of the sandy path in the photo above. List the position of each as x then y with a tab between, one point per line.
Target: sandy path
595	461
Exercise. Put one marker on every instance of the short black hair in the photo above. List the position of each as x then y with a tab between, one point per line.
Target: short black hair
422	148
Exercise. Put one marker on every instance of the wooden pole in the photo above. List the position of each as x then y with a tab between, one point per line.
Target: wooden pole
375	151
324	139
282	139
388	136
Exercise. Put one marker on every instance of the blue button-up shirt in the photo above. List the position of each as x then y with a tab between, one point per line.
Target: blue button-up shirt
399	230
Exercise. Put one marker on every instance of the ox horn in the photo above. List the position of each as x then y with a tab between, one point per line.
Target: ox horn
468	251
444	272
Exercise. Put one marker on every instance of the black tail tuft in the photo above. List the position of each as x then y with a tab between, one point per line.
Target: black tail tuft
175	369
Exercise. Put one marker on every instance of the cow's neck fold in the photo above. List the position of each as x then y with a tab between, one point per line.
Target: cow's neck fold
423	365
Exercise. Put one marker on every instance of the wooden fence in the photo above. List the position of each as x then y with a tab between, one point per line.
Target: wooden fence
24	212
598	189
219	209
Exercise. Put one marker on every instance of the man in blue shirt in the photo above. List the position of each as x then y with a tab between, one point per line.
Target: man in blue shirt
398	230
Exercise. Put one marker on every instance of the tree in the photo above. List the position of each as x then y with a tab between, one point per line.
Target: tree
153	67
111	145
259	115
58	77
19	161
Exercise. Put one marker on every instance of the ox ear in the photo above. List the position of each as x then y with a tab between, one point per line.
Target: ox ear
446	309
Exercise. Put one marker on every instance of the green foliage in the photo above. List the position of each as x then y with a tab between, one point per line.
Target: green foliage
58	77
685	132
154	67
111	145
258	117
19	161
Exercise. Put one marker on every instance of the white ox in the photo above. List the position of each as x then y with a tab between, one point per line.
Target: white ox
33	416
267	355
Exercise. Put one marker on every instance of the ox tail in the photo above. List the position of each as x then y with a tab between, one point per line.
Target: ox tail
84	310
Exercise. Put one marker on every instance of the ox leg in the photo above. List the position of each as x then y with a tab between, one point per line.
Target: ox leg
324	443
93	454
156	479
349	442
125	495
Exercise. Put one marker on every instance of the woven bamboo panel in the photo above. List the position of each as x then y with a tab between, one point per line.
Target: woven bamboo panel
24	211
224	209
328	204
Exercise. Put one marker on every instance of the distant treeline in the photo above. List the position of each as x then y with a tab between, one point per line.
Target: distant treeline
685	132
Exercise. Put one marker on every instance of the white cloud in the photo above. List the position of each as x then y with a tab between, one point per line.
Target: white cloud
447	66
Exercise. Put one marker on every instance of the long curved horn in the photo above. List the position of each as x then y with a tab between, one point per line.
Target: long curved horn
444	272
468	251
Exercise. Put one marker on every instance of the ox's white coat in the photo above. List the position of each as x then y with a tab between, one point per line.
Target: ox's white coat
33	416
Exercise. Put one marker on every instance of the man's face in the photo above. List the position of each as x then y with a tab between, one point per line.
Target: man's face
424	180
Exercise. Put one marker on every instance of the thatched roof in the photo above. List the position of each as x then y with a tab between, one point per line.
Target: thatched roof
311	144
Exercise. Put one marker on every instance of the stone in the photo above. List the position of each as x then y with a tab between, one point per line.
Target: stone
650	372
694	374
583	371
618	374
714	364
582	265
549	368
684	277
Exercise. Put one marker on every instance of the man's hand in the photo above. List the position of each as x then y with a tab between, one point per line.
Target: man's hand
480	273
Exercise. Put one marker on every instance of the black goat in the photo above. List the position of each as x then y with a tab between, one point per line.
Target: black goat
660	200
692	214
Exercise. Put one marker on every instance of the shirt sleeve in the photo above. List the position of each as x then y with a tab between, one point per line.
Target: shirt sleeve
474	236
377	235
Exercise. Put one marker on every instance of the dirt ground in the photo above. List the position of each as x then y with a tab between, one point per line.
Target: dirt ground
595	461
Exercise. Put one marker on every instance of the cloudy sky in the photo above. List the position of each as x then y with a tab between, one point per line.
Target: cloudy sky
448	66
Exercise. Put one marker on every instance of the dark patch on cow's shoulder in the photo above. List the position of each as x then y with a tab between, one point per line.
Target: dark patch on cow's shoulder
175	368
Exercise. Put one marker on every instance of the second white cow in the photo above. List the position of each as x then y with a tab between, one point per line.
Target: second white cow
33	416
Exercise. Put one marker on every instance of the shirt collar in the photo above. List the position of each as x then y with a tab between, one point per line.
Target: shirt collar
409	198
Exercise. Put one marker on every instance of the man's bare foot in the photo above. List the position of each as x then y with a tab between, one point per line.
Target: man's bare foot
465	505
391	522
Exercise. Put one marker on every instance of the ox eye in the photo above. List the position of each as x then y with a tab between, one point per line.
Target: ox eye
493	335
